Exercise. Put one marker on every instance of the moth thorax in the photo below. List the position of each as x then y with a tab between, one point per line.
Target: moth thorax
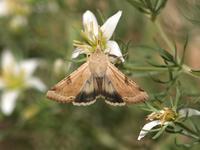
98	63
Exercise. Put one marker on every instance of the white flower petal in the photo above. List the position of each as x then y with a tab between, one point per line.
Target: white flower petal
148	127
109	26
4	10
8	60
90	23
188	112
8	101
36	83
113	49
29	66
76	53
58	66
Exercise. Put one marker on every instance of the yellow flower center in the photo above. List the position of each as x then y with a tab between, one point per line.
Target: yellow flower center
13	80
91	41
167	114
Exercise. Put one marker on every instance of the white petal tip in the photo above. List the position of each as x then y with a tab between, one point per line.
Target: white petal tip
8	102
113	49
36	83
139	138
87	12
147	127
119	13
109	26
76	53
188	112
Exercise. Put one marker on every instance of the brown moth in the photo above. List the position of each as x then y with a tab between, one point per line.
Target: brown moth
97	77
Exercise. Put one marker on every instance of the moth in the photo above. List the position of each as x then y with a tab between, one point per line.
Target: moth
97	77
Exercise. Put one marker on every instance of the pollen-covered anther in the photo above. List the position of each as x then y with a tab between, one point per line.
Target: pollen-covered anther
167	114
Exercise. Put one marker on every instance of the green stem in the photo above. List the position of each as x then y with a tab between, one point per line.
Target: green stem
185	68
187	131
164	36
139	68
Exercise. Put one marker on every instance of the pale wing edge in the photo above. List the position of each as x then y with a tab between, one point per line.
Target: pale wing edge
142	97
58	97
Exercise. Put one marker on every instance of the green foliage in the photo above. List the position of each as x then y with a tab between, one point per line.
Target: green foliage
151	8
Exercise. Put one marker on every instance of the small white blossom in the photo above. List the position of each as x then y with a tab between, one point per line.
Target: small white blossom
14	78
58	66
18	21
98	36
182	113
4	9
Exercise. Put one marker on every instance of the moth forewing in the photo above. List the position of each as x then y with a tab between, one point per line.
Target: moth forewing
67	89
110	94
126	88
87	94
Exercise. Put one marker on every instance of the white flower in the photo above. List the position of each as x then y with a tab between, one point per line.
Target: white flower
4	10
18	21
59	66
182	113
98	36
15	77
147	127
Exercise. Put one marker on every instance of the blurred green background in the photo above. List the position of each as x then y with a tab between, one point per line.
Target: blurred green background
46	31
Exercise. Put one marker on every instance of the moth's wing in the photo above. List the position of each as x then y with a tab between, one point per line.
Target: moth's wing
127	89
110	93
76	88
87	94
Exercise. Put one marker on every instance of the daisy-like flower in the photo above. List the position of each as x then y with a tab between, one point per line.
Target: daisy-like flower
164	118
94	36
14	78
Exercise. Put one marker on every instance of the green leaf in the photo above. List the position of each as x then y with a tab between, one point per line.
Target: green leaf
157	65
151	107
160	4
166	55
171	129
184	50
177	98
182	145
135	3
195	73
160	132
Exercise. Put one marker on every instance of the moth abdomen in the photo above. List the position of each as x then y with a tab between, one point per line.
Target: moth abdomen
99	81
